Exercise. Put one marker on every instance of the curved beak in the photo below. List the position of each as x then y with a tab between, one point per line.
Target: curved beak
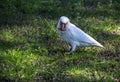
63	25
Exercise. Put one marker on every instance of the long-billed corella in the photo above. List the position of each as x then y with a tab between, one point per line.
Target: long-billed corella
73	35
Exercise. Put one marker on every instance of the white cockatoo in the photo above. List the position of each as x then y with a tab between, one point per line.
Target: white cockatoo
73	35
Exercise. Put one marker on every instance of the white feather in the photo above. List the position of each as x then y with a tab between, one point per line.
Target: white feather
83	38
75	36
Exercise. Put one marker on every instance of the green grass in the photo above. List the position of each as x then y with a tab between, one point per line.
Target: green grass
34	52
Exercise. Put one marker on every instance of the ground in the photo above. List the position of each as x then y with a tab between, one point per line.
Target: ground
34	52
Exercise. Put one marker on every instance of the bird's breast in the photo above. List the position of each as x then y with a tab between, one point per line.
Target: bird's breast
66	36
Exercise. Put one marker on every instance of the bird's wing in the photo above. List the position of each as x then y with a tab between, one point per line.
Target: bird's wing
82	37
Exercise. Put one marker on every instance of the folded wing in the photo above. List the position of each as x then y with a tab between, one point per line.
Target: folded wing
82	37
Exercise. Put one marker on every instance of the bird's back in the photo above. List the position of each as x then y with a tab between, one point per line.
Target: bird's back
83	38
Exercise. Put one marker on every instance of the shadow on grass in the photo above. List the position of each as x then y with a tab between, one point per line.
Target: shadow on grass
4	45
86	59
99	13
53	47
56	70
111	43
55	12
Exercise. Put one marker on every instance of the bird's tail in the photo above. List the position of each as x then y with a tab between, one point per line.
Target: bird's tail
99	45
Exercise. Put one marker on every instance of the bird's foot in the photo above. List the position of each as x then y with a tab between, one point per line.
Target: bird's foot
68	52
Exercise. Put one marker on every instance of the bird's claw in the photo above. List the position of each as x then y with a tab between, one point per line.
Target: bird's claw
68	52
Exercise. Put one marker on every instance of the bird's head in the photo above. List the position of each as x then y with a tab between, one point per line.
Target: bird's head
63	23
